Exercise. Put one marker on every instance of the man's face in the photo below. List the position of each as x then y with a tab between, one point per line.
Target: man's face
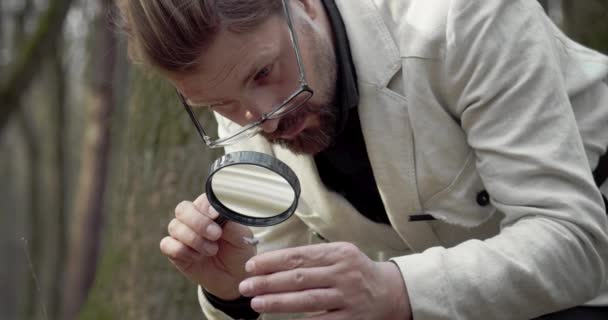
242	76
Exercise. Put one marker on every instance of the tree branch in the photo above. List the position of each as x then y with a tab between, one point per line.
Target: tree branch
21	71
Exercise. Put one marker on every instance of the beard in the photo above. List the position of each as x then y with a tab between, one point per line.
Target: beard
311	140
315	139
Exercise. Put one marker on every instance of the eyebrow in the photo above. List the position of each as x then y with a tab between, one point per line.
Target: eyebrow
262	61
267	55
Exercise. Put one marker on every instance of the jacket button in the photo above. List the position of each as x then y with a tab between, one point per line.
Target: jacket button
483	198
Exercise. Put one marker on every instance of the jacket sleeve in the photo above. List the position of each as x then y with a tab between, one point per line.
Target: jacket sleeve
504	84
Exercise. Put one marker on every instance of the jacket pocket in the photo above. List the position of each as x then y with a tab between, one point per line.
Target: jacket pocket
464	202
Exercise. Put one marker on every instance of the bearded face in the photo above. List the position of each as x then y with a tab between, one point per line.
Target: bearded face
242	76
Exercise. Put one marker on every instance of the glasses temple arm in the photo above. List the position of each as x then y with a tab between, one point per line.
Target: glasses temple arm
294	41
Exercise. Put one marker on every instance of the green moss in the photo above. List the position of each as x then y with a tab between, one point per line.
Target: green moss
99	304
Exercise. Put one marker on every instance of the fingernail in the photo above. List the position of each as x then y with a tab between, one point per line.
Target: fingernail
214	231
249	266
257	304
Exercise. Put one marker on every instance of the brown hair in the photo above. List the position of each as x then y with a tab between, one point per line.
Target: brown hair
170	34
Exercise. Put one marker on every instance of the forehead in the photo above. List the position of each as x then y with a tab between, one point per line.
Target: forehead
229	56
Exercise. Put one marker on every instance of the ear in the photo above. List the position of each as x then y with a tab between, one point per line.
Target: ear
310	7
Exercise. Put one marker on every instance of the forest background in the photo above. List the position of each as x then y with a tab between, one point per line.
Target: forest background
94	156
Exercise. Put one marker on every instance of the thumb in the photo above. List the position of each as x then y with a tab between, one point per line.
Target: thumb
183	266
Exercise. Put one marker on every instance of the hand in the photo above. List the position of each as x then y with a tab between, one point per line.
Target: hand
336	279
206	254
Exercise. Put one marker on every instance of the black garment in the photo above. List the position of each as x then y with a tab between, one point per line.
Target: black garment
344	166
236	309
578	313
600	174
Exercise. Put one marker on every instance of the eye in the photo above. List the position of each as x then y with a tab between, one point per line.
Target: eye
263	74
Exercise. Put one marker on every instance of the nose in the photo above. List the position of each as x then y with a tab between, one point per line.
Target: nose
257	106
270	125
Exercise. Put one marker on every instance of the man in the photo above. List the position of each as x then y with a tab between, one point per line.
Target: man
445	156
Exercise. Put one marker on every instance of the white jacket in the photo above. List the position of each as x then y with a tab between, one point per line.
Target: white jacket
457	97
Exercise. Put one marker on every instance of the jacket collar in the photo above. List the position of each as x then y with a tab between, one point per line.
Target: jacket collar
370	37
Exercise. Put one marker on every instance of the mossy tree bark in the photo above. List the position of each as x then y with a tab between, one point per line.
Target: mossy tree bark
163	162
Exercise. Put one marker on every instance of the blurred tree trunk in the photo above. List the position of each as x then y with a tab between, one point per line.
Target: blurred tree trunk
29	58
88	208
33	240
587	22
58	77
2	19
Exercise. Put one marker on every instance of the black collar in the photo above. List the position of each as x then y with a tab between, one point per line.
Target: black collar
347	93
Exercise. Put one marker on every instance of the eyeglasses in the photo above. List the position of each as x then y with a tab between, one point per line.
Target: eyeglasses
293	102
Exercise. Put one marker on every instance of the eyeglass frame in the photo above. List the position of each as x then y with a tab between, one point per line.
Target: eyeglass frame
238	136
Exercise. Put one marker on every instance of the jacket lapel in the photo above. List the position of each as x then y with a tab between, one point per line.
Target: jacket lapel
385	120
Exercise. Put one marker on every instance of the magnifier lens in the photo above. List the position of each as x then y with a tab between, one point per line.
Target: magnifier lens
252	191
252	188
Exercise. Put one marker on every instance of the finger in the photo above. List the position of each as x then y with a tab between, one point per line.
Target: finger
174	249
182	233
288	281
198	221
302	301
331	315
318	255
202	203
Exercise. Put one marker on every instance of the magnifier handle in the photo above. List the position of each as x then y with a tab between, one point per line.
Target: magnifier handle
221	220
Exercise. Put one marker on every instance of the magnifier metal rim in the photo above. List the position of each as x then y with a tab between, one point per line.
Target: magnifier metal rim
257	159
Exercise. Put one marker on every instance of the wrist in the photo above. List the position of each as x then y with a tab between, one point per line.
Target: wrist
225	294
398	294
239	308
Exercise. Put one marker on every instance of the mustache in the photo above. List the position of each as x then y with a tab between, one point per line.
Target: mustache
293	118
310	140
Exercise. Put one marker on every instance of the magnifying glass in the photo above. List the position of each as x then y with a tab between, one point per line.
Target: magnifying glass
252	189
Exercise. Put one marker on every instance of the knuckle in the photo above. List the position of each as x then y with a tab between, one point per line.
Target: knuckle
311	299
338	295
164	245
201	202
172	227
193	240
347	250
168	249
181	208
201	225
294	260
259	284
299	278
355	276
273	304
